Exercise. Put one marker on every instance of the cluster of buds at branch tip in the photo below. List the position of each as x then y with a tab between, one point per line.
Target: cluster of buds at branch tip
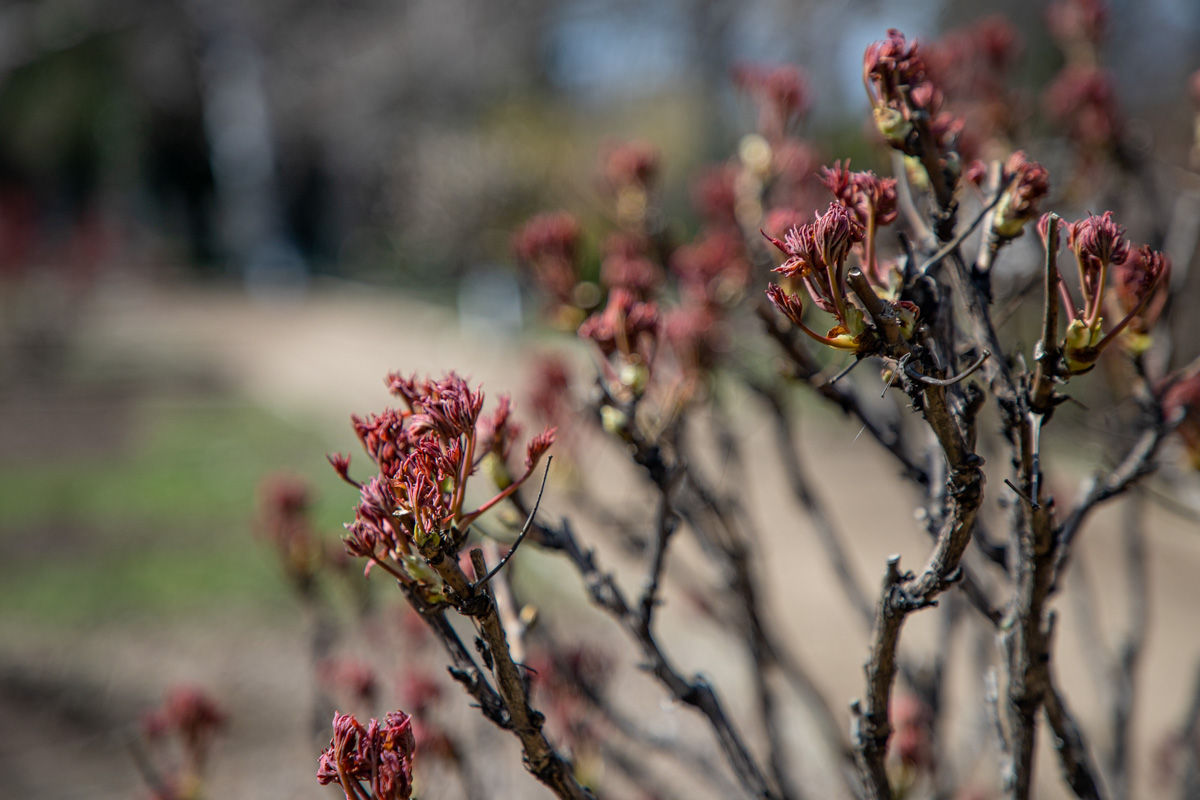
629	171
426	454
781	93
1026	184
1100	248
548	247
191	718
1181	402
625	333
904	101
372	761
872	200
816	254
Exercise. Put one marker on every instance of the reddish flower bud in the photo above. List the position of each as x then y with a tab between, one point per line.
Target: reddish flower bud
871	198
379	755
548	245
1028	183
1077	22
623	325
1098	242
538	446
1082	99
630	165
781	93
788	304
1182	401
835	232
715	195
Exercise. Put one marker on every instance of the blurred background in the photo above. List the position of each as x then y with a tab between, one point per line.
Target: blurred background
222	222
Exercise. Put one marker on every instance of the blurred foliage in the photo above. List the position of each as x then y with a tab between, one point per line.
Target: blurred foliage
160	529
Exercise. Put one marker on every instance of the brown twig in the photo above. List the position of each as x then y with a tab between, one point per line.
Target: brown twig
1078	769
844	398
541	759
696	691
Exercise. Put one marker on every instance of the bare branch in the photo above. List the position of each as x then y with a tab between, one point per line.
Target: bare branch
696	692
524	529
1078	770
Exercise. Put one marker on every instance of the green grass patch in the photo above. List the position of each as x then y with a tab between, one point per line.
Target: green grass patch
165	526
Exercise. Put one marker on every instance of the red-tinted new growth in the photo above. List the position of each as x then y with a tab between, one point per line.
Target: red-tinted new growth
341	465
538	446
907	109
715	196
426	455
384	438
624	325
630	165
497	432
781	93
1141	293
1182	402
788	304
191	714
872	200
447	408
1028	183
1082	100
1077	24
354	678
548	245
372	762
817	254
1099	245
713	271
